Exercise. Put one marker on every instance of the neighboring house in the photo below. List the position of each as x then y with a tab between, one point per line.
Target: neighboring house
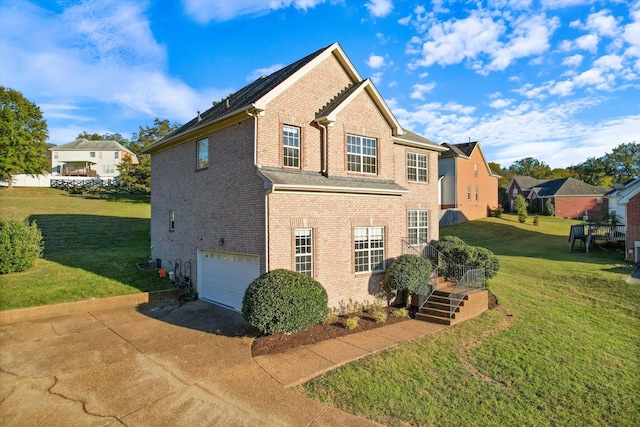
89	158
624	203
306	169
468	186
570	197
520	186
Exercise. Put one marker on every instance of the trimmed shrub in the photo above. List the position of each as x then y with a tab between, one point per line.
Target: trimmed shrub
536	220
380	316
351	323
549	209
284	301
20	245
459	252
401	312
409	273
522	217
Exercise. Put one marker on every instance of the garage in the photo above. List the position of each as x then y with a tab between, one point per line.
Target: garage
224	276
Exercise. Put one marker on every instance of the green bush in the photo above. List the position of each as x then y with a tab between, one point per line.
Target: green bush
351	323
284	301
20	245
409	273
536	220
522	217
549	209
460	253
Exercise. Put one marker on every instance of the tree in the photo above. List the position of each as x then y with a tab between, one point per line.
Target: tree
104	137
23	135
139	176
530	167
592	171
623	163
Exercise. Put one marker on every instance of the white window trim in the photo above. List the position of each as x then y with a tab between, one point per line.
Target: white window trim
369	250
418	227
172	220
361	156
417	168
286	147
299	255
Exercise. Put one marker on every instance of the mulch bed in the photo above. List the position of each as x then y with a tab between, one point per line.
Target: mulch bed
279	343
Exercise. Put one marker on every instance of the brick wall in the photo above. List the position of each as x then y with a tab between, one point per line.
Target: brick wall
574	207
225	200
633	225
486	184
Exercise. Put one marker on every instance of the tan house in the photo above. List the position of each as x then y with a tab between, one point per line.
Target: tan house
468	187
305	169
84	158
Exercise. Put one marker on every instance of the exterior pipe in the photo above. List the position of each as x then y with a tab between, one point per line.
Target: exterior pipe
324	148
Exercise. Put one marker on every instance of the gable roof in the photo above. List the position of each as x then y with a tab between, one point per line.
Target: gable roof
630	189
82	144
253	99
568	187
459	150
525	182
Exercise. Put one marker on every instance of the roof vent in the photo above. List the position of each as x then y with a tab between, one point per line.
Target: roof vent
227	102
199	118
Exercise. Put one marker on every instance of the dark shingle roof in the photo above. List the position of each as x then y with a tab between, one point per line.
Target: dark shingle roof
526	182
246	96
459	150
568	187
316	182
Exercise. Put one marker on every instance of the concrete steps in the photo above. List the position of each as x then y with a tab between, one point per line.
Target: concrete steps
439	308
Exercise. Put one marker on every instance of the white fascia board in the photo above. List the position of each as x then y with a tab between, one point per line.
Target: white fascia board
416	144
334	49
291	188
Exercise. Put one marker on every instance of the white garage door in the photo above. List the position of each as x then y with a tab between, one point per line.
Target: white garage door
224	276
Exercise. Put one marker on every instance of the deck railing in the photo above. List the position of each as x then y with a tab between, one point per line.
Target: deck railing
464	277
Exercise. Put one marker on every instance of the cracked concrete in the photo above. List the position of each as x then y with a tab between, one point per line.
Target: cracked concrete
151	364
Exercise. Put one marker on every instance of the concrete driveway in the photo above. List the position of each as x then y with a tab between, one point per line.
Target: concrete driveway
154	364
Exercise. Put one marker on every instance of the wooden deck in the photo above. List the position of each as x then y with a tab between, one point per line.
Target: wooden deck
586	235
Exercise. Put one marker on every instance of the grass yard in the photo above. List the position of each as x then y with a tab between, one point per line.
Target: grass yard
91	247
564	349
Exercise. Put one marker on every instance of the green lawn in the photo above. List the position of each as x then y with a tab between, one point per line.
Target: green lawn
92	246
569	354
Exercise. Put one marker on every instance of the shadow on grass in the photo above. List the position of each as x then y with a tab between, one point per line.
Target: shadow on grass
108	246
122	197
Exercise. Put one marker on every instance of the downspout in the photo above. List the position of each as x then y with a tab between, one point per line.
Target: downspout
324	148
255	114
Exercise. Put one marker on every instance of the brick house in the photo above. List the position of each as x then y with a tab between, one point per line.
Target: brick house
624	203
468	187
305	169
570	197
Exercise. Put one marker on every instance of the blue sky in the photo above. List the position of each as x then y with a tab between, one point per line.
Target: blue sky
558	80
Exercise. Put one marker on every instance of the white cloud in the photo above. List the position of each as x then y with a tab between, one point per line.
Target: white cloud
375	61
573	60
419	90
379	8
602	23
376	78
500	103
588	42
98	53
205	11
264	71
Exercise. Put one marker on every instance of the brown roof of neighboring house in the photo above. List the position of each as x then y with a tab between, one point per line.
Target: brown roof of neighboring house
526	182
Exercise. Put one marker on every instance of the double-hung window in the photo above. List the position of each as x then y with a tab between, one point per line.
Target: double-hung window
417	167
418	227
469	192
477	193
116	154
369	249
361	154
291	146
203	153
304	250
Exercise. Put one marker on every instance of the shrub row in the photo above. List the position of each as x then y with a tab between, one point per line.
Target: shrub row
459	252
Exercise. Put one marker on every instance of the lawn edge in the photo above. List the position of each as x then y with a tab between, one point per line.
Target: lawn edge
75	307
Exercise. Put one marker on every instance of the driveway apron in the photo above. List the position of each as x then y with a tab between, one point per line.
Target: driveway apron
155	364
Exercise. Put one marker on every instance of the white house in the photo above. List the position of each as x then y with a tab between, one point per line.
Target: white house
81	157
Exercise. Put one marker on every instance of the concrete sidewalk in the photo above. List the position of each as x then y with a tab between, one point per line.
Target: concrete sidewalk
165	363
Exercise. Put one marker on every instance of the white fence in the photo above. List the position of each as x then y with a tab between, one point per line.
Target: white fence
28	181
